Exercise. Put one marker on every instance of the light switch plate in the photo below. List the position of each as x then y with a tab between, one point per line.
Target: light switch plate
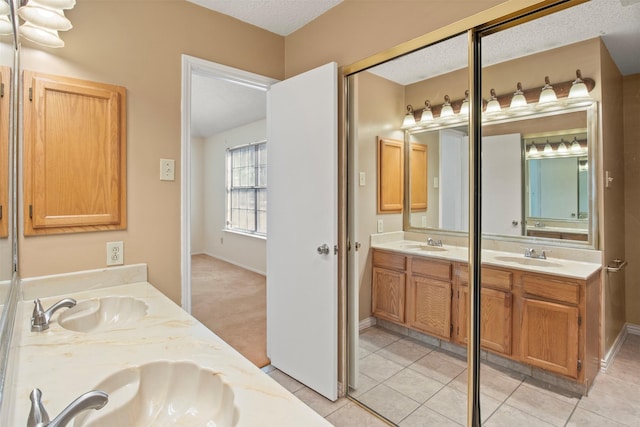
167	170
380	226
363	179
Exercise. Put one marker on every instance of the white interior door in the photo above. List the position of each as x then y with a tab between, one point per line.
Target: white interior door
302	278
502	184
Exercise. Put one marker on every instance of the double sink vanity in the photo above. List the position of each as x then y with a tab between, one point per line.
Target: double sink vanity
540	311
157	364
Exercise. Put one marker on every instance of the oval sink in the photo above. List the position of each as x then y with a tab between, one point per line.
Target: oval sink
528	261
432	248
162	394
103	314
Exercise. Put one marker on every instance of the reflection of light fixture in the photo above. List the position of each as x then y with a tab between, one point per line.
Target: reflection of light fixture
427	115
409	119
43	19
548	94
548	150
5	25
518	101
493	106
447	110
533	150
464	108
575	146
578	88
4	8
562	147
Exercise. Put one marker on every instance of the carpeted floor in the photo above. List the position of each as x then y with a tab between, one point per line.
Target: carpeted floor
232	302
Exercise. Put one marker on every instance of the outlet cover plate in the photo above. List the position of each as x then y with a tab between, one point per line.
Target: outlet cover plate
115	253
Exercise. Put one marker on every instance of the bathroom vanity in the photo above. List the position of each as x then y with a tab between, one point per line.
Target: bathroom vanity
126	338
541	313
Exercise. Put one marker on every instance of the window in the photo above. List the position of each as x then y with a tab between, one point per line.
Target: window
247	188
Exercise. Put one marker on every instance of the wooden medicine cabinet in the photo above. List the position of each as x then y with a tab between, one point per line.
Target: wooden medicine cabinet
390	176
74	155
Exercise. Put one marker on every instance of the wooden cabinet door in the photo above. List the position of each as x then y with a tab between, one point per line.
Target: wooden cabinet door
418	164
550	336
5	104
429	306
74	155
390	175
388	294
496	319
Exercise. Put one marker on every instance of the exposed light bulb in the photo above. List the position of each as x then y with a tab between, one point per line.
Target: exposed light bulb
533	150
562	148
575	146
548	150
464	108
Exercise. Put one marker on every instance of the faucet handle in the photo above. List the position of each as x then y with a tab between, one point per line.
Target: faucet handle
38	416
38	317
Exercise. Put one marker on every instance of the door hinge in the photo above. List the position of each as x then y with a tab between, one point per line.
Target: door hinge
30	211
30	94
451	329
1	90
452	293
579	320
348	245
358	245
0	211
579	365
335	249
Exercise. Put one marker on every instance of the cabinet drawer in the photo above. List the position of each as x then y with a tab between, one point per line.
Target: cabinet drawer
491	278
567	292
389	260
430	268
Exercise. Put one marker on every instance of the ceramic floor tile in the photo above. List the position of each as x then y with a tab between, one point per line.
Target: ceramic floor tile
379	368
414	385
362	352
285	380
551	390
441	367
319	403
452	404
541	404
614	399
352	415
425	417
507	416
373	339
389	403
583	418
493	383
404	351
365	383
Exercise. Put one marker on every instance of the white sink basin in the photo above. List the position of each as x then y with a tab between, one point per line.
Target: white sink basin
103	314
163	394
534	262
422	247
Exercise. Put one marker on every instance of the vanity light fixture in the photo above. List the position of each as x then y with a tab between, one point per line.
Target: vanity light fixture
548	95
427	115
493	106
5	25
578	88
409	118
518	101
575	146
533	150
447	110
562	147
548	150
464	108
43	19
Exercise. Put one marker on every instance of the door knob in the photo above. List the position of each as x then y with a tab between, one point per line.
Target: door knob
324	249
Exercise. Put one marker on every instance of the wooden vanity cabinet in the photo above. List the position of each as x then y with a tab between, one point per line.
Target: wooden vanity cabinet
388	286
429	295
74	155
496	308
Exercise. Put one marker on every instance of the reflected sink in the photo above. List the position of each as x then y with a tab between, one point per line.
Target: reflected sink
103	314
534	262
162	394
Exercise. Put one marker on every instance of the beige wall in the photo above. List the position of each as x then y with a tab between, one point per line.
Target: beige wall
138	44
631	97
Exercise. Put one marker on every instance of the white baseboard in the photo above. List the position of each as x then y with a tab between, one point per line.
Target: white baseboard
367	323
608	359
230	261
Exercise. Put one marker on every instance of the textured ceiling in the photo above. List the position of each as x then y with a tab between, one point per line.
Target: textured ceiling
216	104
278	16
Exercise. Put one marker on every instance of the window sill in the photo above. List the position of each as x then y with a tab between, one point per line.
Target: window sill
240	233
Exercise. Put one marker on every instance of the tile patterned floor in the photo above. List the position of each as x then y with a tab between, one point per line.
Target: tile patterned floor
412	384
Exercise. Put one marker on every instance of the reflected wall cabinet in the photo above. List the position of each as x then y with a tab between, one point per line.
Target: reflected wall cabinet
390	175
74	155
5	104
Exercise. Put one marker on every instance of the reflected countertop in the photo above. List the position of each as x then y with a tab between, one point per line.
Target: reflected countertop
64	364
577	269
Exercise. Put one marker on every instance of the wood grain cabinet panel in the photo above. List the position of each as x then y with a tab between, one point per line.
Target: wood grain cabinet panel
429	306
418	181
390	175
388	294
5	105
74	155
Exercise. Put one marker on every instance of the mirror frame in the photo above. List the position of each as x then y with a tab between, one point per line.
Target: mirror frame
591	110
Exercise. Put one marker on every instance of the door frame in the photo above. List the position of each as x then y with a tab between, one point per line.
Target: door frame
192	65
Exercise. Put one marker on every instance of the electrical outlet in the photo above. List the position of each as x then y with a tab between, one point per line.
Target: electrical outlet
167	170
115	253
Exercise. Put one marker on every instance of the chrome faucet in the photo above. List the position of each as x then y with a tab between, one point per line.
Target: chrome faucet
531	253
431	242
40	318
38	416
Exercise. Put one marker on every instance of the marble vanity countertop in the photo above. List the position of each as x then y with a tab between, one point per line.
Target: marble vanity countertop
557	229
64	364
555	266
